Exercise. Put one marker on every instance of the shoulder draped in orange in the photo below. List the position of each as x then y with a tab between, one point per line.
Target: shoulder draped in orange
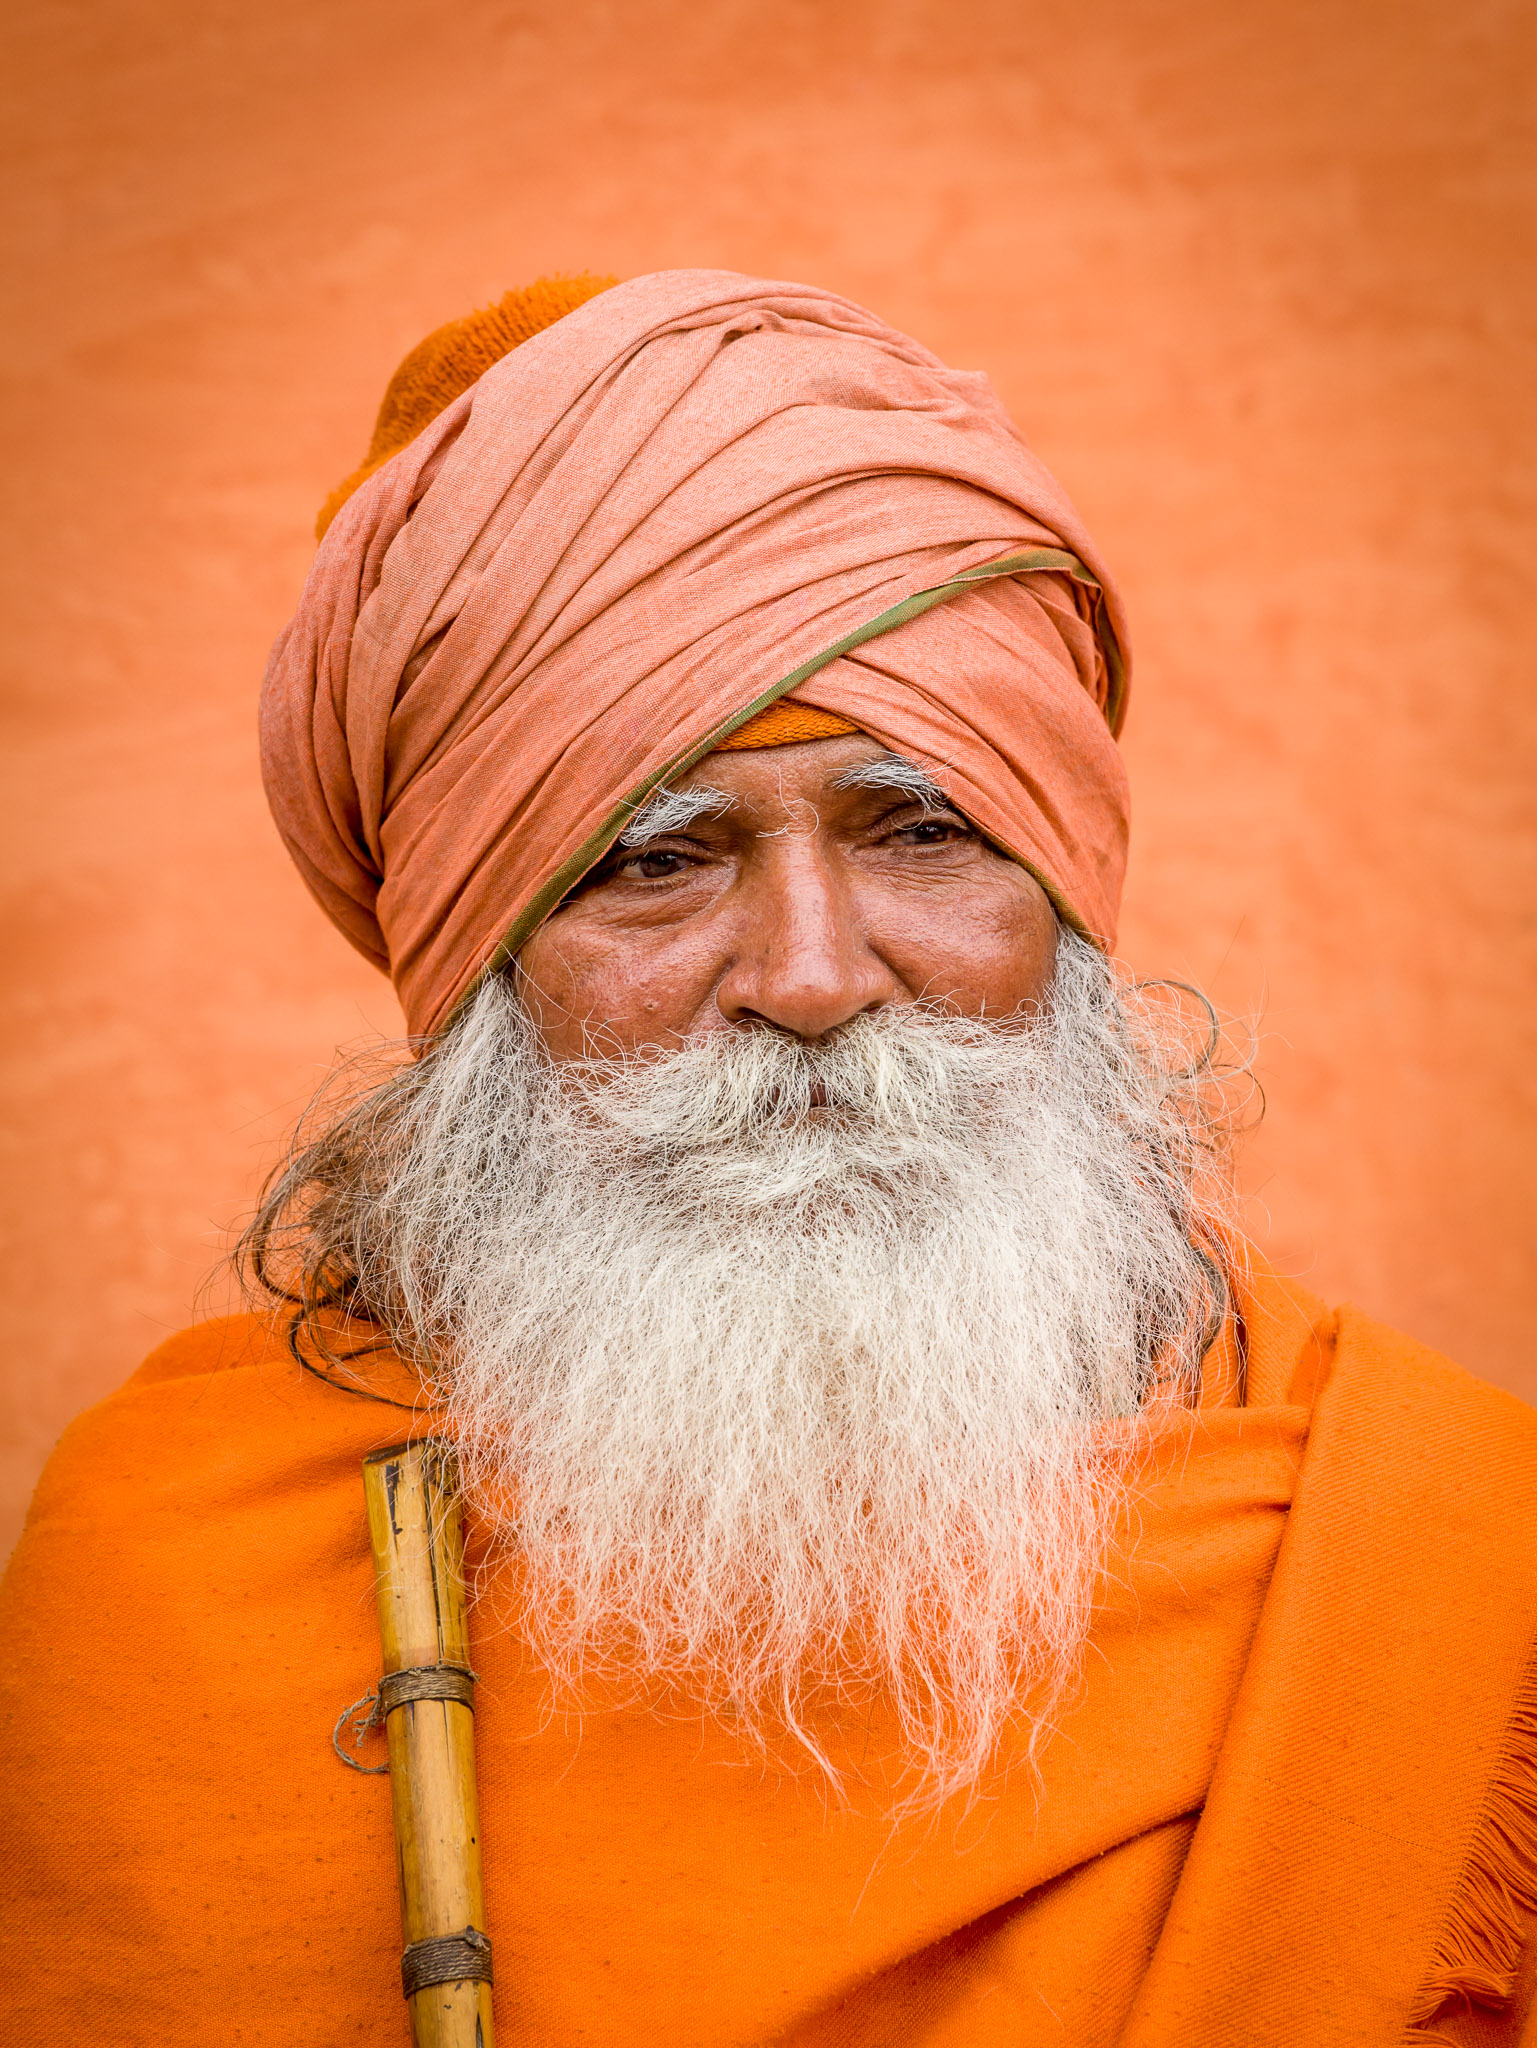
1293	1803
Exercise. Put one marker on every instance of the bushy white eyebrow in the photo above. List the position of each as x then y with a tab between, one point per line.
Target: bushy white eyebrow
674	810
892	772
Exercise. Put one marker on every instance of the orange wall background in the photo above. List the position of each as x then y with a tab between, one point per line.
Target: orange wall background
1258	282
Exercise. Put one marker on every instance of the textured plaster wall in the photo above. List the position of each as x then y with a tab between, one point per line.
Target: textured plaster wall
1258	282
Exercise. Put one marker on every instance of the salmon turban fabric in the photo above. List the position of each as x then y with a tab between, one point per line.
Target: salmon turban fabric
687	498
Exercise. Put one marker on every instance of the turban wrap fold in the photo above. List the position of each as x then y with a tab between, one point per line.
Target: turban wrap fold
693	494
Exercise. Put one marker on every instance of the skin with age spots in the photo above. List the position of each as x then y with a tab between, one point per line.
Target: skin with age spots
801	904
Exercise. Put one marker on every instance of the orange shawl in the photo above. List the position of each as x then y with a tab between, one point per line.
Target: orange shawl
1294	1803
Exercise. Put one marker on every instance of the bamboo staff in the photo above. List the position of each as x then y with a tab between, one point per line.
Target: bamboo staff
427	1698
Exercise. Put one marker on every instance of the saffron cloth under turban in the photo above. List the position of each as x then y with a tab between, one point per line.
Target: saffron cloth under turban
633	532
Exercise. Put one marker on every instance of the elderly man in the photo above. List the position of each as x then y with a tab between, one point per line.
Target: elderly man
931	1583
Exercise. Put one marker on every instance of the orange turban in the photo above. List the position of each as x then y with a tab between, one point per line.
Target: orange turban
690	496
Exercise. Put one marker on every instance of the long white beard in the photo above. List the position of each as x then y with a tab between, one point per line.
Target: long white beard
783	1404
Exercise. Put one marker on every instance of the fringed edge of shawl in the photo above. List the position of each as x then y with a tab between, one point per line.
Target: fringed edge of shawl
1479	1951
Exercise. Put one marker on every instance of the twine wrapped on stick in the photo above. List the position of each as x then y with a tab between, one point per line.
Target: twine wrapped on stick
426	1696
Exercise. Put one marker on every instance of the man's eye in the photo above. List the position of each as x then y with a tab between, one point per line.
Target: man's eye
656	864
932	831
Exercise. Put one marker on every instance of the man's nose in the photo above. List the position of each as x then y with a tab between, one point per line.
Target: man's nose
805	963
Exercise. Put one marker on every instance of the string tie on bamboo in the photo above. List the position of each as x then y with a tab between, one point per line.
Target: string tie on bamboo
420	1682
426	1682
450	1959
374	1719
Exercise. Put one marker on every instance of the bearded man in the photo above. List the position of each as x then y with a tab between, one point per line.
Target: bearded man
931	1582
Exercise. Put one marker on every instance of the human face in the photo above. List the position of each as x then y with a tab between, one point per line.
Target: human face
804	891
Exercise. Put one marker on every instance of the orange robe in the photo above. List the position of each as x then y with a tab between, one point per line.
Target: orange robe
1295	1801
